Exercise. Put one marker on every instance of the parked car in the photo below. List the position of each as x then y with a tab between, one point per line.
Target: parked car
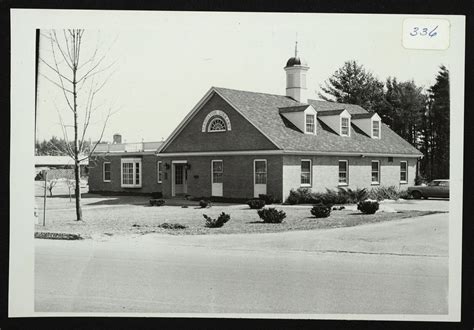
436	188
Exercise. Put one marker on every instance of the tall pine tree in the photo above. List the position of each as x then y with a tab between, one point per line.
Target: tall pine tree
437	123
353	84
404	108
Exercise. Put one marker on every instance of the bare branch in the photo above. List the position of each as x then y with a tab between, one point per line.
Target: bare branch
59	73
64	130
91	151
60	49
53	82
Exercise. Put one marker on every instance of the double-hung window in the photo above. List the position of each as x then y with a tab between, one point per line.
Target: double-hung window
159	170
375	172
310	125
376	129
306	173
345	126
343	173
403	172
106	172
131	172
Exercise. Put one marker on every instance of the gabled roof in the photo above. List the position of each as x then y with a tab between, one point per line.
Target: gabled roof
363	115
296	108
262	110
331	112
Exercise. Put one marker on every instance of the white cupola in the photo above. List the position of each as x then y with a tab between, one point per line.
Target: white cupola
296	69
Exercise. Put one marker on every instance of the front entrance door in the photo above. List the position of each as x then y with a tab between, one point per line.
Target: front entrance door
180	179
259	177
217	171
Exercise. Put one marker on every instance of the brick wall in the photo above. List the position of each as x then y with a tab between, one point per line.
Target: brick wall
242	136
325	172
149	174
237	175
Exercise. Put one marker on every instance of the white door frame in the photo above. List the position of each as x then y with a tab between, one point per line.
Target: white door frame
212	178
173	179
257	191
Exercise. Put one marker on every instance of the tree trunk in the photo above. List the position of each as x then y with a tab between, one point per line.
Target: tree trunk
77	176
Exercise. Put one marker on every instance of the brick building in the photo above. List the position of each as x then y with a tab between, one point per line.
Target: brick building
240	144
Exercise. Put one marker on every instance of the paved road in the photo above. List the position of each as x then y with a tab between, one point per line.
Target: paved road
393	267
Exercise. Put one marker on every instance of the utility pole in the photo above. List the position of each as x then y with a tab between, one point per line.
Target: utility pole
45	174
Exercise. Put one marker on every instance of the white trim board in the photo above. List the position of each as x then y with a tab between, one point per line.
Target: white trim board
282	152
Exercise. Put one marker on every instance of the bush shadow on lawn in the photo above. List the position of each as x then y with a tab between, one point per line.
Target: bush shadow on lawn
116	200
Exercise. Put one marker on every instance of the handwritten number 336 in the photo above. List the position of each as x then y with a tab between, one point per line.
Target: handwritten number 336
423	32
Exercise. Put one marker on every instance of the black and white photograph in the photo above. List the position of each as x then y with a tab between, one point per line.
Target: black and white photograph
231	164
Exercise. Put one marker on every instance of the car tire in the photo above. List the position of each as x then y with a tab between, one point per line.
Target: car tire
416	194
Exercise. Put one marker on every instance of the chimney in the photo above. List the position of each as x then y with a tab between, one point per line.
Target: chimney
117	138
296	69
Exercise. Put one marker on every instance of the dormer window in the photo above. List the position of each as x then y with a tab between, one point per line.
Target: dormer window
344	126
376	129
310	125
303	117
217	125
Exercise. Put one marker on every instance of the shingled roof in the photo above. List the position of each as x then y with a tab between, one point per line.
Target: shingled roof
262	110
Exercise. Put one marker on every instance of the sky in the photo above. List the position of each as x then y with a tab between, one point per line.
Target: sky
164	66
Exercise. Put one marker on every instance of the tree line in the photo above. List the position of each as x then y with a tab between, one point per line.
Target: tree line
57	147
420	116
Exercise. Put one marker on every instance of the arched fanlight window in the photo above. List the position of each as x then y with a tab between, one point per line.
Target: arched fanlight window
216	121
217	125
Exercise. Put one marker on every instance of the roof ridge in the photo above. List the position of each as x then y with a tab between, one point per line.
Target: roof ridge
246	91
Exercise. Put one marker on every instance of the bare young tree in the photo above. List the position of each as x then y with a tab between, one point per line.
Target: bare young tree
80	78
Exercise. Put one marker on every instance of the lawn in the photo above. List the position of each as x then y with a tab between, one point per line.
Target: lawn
129	215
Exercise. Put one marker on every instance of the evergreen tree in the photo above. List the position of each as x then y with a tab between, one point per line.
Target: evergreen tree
405	104
438	124
353	84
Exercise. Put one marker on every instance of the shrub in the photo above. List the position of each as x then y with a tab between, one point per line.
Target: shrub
172	226
292	198
268	199
381	193
352	196
216	223
203	203
368	206
404	194
321	211
271	215
157	202
256	203
300	196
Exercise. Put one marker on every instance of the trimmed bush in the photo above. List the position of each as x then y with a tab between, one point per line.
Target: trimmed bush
271	215
268	199
157	202
216	223
368	206
256	203
203	203
321	210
